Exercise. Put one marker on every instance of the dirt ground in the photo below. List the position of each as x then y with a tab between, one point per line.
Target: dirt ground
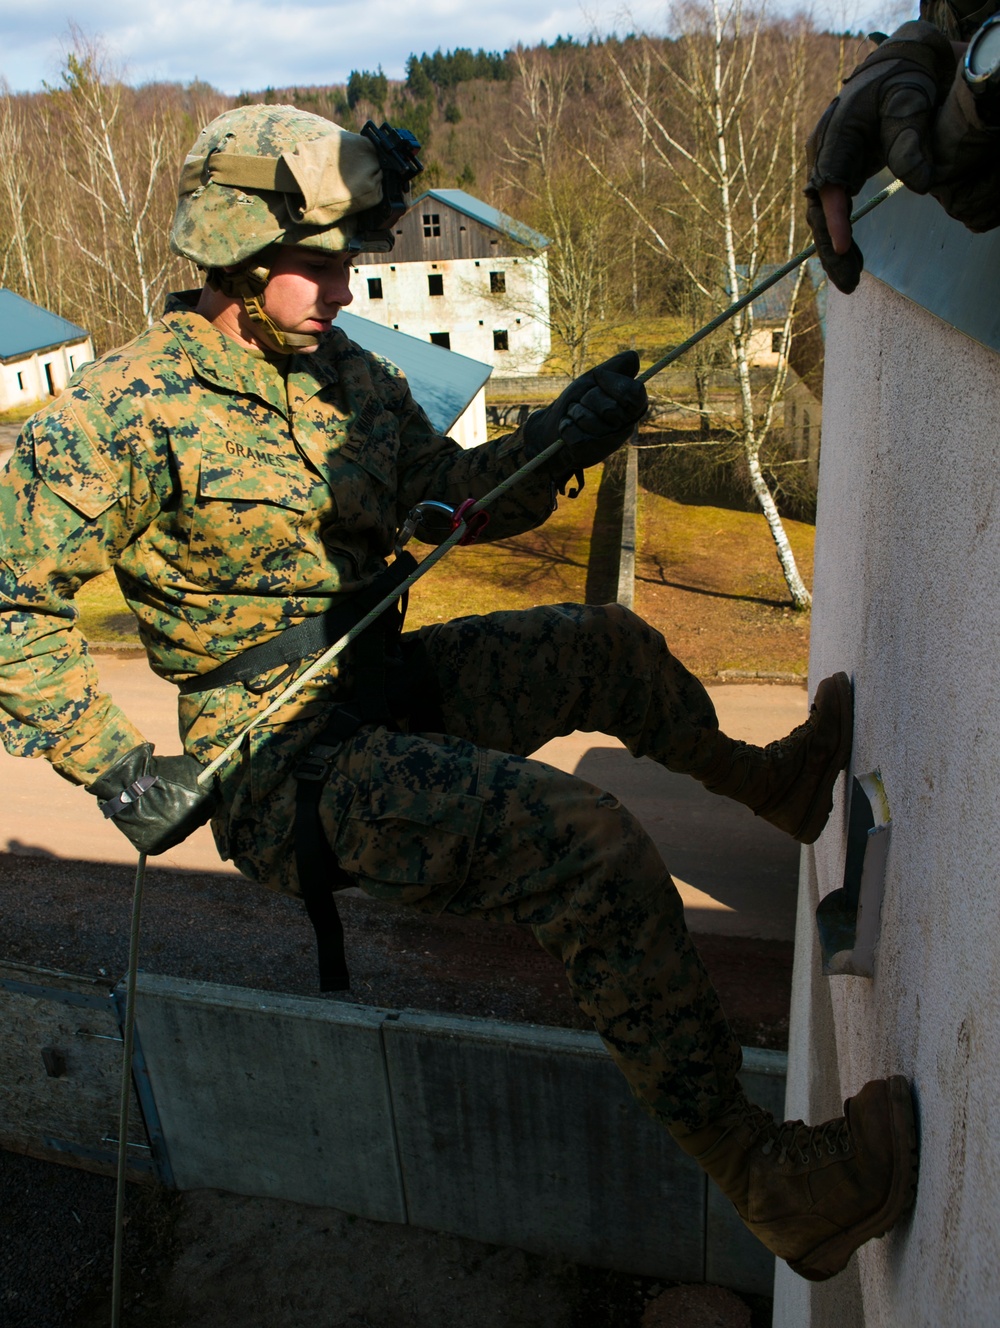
74	916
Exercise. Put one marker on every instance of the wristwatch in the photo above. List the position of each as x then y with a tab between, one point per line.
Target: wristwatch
982	70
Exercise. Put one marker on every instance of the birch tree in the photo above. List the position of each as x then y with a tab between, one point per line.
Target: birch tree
112	170
721	110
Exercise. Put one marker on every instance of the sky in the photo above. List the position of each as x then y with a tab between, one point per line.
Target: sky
238	45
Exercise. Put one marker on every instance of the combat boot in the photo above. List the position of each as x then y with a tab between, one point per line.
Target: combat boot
788	782
812	1195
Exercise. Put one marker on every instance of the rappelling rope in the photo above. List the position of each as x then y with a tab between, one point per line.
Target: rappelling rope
128	1042
333	651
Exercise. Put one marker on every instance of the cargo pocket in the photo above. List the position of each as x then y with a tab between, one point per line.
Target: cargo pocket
412	841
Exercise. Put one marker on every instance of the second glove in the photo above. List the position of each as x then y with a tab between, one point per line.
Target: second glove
156	801
882	117
593	417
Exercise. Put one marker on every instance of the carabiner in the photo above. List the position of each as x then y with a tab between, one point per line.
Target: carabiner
414	518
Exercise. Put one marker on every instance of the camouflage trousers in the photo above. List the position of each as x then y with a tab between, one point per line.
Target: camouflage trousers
463	823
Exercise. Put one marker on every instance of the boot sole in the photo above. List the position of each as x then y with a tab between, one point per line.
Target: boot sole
819	809
832	1255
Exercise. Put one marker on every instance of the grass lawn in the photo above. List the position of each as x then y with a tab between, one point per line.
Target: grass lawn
104	615
706	577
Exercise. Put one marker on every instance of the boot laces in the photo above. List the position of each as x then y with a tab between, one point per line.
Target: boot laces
774	755
794	1138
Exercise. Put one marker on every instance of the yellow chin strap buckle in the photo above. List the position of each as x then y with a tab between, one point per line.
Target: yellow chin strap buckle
248	285
286	343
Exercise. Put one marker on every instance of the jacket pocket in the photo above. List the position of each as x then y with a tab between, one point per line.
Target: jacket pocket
76	472
249	515
405	835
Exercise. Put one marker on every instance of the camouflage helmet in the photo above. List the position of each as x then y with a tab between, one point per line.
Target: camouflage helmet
263	175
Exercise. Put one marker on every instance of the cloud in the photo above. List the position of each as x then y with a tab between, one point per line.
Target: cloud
277	43
251	44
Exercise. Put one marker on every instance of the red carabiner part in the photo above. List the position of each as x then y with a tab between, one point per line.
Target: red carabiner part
476	524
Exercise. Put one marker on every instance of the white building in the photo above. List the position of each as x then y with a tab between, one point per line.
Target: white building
466	277
39	351
907	600
450	388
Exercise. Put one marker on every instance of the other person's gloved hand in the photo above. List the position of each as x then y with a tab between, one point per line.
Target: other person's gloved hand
593	417
967	158
883	117
156	801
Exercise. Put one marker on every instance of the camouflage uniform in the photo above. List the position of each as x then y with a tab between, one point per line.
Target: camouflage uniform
233	501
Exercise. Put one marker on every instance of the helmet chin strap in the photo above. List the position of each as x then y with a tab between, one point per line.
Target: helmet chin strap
248	284
285	343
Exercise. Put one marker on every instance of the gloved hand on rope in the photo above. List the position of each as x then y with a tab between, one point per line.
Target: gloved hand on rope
883	117
156	801
593	417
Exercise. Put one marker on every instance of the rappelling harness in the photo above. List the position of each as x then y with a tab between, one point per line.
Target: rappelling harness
379	696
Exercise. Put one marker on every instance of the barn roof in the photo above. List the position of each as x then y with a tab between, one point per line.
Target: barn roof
488	216
442	381
25	327
772	306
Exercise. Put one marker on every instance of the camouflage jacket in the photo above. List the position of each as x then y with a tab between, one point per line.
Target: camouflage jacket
232	501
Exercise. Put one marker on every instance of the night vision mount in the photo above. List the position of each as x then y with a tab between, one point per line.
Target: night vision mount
397	154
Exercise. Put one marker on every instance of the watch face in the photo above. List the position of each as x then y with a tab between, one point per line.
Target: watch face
983	57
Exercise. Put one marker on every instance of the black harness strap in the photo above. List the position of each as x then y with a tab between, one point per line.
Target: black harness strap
320	874
305	638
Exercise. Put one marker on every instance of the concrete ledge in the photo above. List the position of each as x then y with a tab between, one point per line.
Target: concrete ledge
529	1137
284	1097
510	1134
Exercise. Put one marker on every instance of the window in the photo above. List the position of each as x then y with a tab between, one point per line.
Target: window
20	382
500	339
777	341
432	224
498	283
375	288
441	339
435	284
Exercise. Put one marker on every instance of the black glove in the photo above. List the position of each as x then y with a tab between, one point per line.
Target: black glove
593	417
155	801
882	117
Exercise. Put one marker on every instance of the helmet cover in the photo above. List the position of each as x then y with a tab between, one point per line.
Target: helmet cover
263	175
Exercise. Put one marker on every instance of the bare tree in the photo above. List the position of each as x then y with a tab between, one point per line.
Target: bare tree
114	168
16	239
720	110
544	169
